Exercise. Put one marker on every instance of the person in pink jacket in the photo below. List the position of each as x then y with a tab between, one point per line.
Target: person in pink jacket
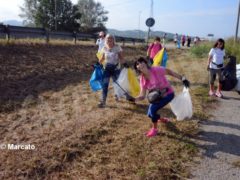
153	49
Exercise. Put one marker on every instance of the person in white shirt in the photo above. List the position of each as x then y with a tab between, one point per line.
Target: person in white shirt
100	41
215	65
112	56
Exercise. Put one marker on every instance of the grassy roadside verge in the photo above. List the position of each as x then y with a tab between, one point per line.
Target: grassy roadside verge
101	144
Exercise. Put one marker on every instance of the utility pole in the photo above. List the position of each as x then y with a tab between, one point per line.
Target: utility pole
236	34
139	19
55	9
151	9
150	21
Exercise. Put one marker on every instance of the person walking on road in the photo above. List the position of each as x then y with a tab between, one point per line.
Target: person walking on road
183	40
188	41
215	65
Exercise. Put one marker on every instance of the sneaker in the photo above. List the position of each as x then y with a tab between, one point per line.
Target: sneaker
101	104
211	93
219	94
152	132
164	120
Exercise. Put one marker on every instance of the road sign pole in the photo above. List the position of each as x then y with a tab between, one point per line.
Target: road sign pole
149	22
148	35
236	34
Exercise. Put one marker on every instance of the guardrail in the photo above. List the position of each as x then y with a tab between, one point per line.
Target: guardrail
18	32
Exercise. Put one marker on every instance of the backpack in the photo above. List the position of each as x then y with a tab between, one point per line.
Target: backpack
229	79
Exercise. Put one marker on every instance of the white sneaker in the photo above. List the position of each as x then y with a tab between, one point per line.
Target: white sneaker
219	94
211	93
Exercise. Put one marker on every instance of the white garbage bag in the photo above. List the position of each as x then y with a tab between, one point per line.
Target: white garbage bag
181	105
237	87
238	70
123	82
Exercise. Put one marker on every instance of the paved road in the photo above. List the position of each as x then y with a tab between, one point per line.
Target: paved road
219	141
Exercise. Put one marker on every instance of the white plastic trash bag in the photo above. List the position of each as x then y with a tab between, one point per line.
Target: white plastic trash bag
237	87
123	82
238	70
181	105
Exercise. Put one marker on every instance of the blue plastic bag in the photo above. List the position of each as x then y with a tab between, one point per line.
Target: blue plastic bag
165	58
96	78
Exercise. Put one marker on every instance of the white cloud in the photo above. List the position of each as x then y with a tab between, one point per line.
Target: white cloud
10	9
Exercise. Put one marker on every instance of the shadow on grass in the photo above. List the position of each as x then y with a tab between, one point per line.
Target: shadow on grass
143	109
176	134
28	70
14	92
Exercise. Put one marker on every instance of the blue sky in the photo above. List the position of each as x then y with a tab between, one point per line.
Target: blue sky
190	17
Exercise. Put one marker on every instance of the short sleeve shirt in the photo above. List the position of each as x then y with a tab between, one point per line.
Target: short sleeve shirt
157	80
111	55
217	57
100	42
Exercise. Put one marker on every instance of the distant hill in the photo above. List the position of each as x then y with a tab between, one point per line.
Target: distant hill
13	22
139	34
127	33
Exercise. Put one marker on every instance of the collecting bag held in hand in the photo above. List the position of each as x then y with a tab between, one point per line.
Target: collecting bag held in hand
154	96
96	78
229	79
181	105
128	82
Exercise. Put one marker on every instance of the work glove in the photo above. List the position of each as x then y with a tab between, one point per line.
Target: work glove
125	65
185	82
130	98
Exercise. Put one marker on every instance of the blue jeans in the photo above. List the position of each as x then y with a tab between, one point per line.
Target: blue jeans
153	108
109	71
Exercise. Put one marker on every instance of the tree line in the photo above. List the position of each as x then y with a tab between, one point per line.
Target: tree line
62	15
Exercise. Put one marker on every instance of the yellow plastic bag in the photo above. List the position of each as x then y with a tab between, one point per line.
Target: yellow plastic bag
134	87
157	60
127	82
99	55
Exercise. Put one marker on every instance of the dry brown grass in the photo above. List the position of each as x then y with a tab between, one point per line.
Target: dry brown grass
236	163
76	140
